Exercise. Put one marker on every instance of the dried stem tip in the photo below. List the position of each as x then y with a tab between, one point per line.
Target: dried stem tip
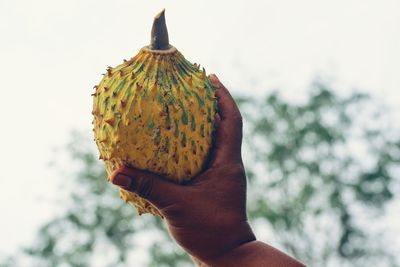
159	33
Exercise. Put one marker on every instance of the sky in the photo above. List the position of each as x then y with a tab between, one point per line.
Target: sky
53	53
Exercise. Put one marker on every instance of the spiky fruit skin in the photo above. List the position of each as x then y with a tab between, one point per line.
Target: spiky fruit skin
154	112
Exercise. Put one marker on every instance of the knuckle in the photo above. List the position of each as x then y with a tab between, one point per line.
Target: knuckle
173	211
145	186
238	169
233	169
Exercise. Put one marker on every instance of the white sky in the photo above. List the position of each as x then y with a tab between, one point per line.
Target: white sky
53	52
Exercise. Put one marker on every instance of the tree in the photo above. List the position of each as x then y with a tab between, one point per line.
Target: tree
306	182
320	188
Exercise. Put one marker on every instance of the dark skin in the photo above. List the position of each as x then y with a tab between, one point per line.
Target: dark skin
207	216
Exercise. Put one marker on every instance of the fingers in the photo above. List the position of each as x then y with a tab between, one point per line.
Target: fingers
150	186
228	140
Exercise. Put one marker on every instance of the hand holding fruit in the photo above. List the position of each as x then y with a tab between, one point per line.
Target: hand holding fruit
157	112
207	216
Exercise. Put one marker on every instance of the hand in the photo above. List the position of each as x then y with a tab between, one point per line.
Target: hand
207	216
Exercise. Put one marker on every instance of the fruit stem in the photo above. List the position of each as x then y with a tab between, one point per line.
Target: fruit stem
159	33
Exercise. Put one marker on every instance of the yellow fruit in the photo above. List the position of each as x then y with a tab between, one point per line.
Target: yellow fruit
155	112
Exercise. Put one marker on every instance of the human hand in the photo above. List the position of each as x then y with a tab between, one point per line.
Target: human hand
207	216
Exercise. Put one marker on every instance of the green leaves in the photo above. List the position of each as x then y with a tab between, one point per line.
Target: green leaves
309	169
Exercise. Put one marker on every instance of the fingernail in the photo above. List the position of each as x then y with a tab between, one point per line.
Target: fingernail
122	180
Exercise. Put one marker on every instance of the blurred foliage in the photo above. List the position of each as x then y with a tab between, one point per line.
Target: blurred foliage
320	173
97	227
331	165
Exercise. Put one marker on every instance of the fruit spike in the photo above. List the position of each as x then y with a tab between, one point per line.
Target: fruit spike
159	33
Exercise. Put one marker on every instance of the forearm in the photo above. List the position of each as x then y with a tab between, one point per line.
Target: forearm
253	254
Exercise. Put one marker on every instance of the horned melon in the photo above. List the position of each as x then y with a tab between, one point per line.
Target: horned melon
155	112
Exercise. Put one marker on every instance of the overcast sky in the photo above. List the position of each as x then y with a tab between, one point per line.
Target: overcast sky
53	52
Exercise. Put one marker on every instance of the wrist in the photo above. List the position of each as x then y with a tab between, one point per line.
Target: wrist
224	260
254	254
229	257
229	238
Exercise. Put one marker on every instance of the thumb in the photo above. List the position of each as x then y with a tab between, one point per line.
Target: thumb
228	139
147	185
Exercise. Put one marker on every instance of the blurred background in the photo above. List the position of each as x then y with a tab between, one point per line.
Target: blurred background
318	83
